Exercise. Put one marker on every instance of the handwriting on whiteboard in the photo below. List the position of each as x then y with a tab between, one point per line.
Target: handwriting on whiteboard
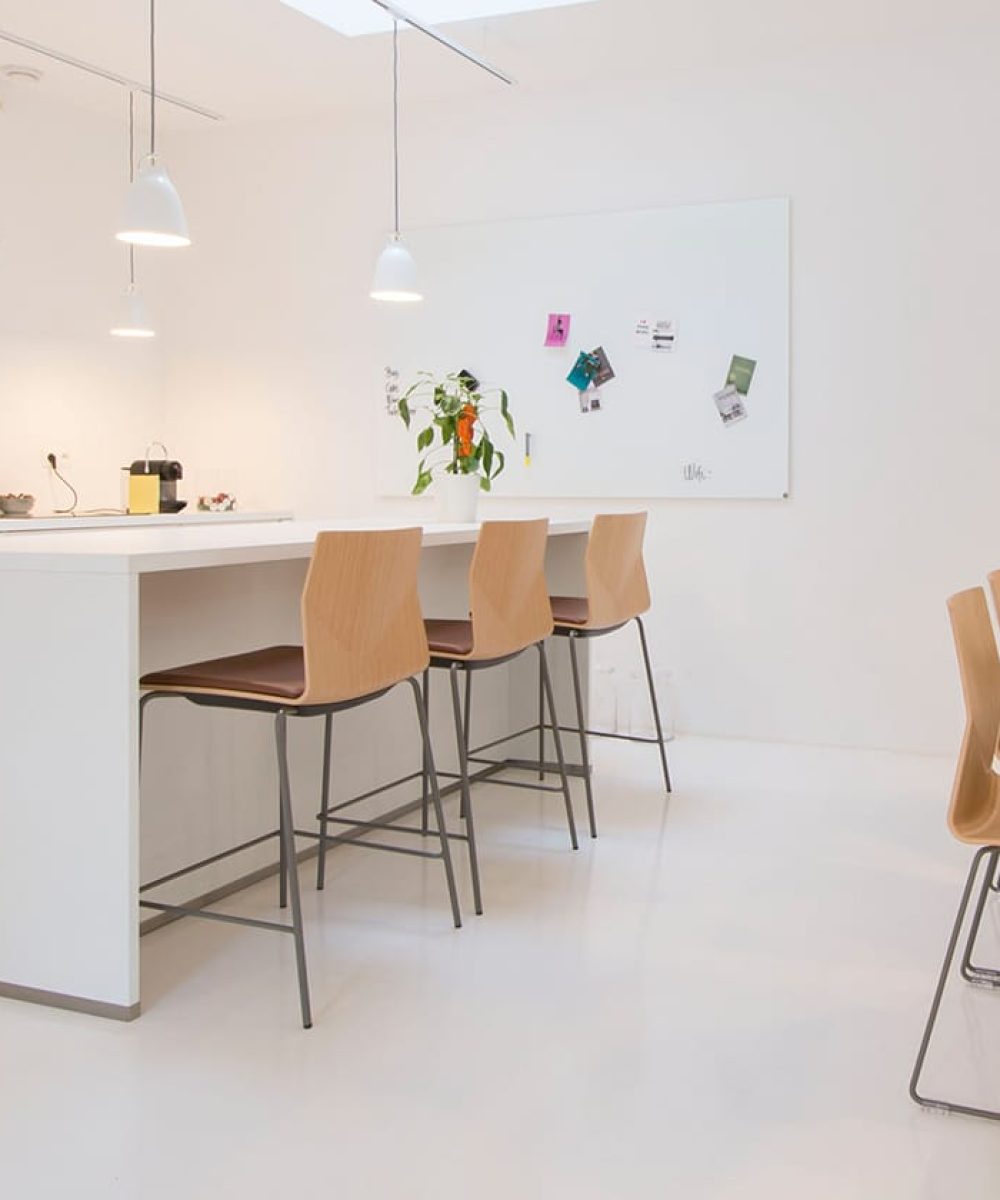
695	473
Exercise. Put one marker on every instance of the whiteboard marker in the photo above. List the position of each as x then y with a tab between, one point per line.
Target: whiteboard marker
527	449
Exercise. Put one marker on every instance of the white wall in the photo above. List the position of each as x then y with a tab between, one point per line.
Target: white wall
820	619
66	386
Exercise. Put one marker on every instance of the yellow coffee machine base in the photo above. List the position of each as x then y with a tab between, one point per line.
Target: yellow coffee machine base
143	494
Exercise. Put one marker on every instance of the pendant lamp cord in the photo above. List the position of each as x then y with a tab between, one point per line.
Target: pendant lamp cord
131	177
152	77
395	122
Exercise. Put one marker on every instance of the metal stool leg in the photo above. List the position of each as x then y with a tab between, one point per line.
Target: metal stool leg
557	741
655	706
466	726
424	781
986	976
325	801
943	1105
291	863
431	775
969	972
582	728
143	701
282	856
541	728
463	766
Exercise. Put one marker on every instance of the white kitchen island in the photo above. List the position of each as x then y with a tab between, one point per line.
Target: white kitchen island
82	614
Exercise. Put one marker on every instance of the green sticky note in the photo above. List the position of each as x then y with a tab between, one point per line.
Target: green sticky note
741	373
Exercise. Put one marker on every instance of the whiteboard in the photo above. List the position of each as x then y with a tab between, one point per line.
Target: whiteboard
720	272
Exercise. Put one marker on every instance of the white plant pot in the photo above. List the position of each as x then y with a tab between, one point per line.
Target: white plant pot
459	497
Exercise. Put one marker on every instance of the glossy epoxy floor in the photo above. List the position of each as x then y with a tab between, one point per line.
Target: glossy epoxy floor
720	997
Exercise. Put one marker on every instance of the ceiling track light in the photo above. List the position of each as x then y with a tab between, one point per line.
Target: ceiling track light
400	14
130	85
153	215
131	319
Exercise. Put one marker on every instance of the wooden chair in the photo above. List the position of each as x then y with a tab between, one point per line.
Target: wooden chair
509	613
974	813
362	633
617	592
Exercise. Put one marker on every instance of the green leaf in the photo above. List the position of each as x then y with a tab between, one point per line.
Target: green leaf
501	461
484	484
505	412
423	483
425	437
404	410
486	447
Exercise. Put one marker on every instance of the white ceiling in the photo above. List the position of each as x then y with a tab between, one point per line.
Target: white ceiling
358	17
259	59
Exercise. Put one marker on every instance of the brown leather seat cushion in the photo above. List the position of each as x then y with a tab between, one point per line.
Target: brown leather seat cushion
449	637
275	671
569	610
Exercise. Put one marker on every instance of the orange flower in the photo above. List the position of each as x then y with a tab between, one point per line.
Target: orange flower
464	431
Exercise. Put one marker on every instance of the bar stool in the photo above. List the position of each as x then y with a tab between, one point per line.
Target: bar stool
509	613
362	633
617	592
974	813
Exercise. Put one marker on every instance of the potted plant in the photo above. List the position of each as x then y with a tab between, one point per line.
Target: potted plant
451	411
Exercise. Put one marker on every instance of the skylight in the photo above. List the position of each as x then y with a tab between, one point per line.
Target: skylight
354	17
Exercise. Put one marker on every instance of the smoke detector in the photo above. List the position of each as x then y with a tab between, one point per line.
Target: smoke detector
21	74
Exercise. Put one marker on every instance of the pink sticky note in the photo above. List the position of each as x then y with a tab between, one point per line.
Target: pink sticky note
558	329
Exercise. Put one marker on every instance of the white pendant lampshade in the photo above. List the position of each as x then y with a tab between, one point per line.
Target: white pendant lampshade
131	319
396	275
153	214
395	272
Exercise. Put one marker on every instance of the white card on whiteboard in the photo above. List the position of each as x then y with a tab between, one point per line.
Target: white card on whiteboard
664	336
655	334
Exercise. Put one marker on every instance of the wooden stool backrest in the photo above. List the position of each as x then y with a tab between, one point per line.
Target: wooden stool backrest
617	588
973	815
508	596
362	627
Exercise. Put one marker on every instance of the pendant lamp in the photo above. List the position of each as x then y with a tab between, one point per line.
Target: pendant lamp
131	319
395	272
153	214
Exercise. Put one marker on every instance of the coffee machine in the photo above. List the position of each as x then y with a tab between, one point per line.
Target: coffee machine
152	484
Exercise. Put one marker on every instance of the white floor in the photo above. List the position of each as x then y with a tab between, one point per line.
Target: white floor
720	997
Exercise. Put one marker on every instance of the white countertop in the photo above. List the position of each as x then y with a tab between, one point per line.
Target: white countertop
180	547
70	523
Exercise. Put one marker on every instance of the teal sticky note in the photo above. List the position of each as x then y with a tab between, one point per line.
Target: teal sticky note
583	371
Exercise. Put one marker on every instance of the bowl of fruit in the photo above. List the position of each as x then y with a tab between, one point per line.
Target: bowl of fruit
221	503
16	504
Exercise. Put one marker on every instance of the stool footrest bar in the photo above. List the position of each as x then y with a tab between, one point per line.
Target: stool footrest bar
384	825
385	787
208	915
334	840
606	733
207	862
